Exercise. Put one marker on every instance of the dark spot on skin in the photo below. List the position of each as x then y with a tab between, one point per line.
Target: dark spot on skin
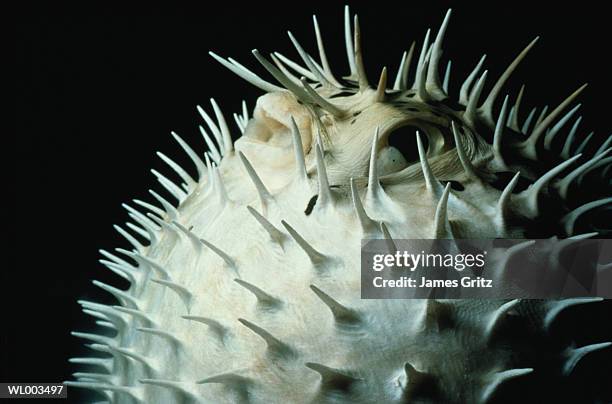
190	227
342	94
357	113
353	121
311	204
460	130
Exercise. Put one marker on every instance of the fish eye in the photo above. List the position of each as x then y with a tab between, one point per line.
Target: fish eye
404	140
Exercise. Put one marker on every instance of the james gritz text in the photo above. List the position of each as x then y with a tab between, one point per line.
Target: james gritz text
407	282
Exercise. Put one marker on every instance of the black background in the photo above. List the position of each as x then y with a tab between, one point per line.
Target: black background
99	89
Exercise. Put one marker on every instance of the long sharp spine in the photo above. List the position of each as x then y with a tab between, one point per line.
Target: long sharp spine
382	86
471	110
121	295
265	196
296	90
332	378
574	355
320	101
532	194
391	247
246	74
263	298
432	184
514	122
447	74
498	317
557	307
463	158
500	378
442	227
308	61
498	136
565	152
169	209
527	123
315	256
274	233
177	168
100	339
434	86
325	197
401	80
528	148
569	220
136	314
322	55
368	225
300	163
216	327
184	294
464	91
224	256
228	146
214	152
237	383
564	184
342	314
195	241
135	243
197	161
162	334
275	346
503	208
348	39
487	106
549	137
361	75
420	62
375	190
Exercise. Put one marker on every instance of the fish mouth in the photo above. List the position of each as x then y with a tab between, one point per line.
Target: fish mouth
272	122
